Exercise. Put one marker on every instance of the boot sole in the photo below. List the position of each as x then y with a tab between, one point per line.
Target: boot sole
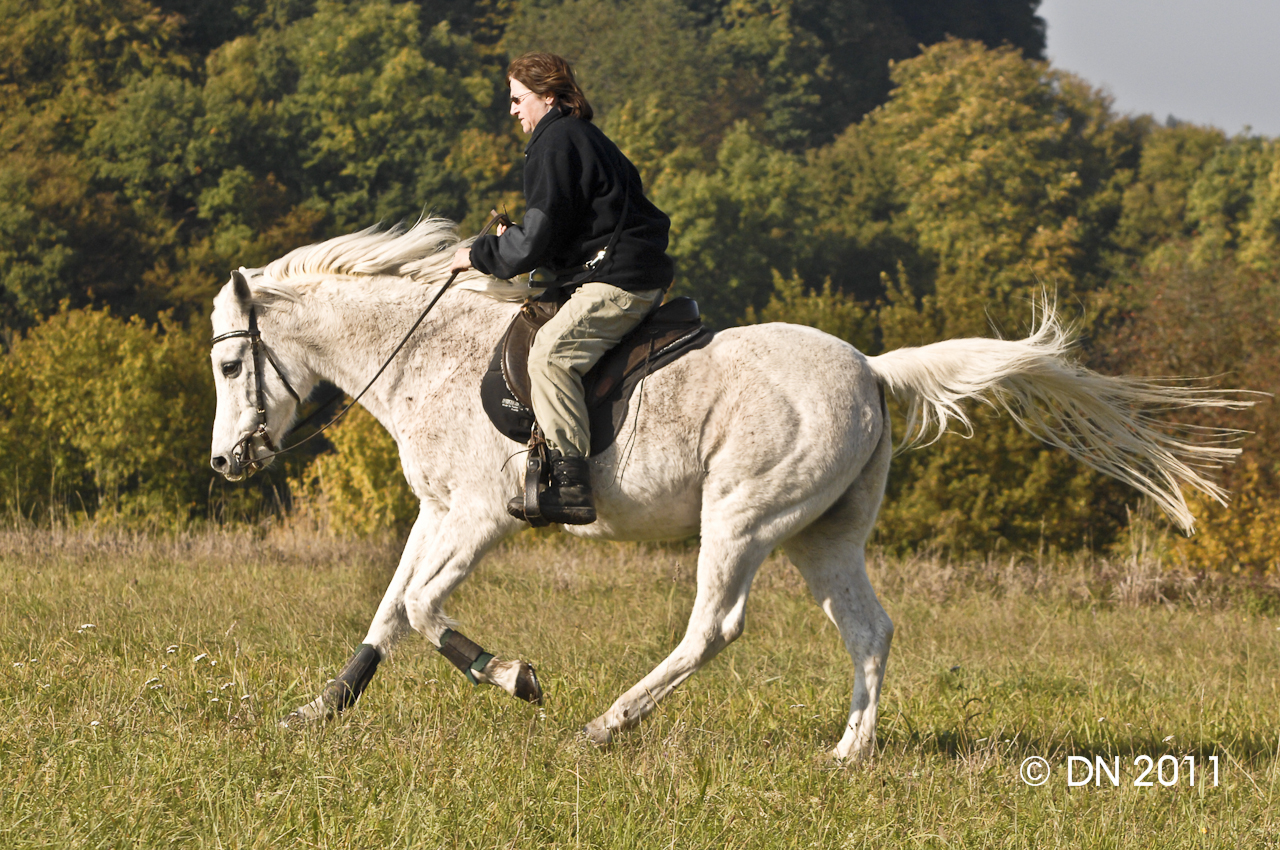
562	516
571	516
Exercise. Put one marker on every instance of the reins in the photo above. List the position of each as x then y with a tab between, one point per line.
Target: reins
258	348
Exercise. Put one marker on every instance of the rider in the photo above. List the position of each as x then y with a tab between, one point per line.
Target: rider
589	232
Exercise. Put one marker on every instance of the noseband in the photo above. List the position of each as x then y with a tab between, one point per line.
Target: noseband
258	348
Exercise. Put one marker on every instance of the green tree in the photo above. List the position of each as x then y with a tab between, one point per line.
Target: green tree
828	310
986	178
313	125
798	71
1202	198
1260	232
1155	203
993	22
733	226
1010	178
1220	200
359	488
62	64
613	48
105	415
1233	332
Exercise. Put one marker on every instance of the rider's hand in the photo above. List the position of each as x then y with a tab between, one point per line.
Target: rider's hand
502	228
461	260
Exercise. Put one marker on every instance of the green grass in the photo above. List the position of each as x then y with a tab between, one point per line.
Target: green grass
157	726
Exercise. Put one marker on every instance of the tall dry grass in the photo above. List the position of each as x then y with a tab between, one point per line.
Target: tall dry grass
142	677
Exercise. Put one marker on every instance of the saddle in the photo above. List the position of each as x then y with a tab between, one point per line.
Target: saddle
672	330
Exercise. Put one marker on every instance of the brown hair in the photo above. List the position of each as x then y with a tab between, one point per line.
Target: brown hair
548	74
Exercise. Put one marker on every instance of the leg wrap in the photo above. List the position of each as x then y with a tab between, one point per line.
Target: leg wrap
464	654
343	691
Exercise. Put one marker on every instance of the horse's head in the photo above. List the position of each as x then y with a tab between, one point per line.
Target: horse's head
256	402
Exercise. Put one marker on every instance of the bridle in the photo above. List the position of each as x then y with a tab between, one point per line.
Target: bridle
244	446
258	348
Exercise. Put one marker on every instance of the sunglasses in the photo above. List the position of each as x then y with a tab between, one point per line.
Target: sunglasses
515	100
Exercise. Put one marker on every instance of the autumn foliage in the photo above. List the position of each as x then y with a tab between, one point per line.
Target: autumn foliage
819	166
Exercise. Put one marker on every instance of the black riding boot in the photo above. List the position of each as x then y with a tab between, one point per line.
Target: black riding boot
568	499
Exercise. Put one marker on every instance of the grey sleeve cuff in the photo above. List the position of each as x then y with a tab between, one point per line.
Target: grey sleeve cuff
520	249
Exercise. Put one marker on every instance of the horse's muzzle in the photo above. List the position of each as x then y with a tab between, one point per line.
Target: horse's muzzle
234	466
228	469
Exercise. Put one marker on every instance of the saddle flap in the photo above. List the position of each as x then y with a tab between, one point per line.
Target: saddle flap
644	346
517	342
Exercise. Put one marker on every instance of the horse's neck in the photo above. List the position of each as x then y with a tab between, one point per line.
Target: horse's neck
345	337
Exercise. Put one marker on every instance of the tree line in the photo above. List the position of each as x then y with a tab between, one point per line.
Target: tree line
891	171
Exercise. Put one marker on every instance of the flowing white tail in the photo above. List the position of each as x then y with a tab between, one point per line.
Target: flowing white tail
1108	423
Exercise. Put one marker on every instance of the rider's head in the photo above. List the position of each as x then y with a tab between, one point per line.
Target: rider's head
547	74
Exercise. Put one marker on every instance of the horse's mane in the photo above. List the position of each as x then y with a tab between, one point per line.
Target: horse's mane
421	253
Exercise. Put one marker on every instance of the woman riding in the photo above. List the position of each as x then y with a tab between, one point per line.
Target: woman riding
588	232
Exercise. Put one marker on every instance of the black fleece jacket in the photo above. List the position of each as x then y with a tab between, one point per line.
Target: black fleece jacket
576	182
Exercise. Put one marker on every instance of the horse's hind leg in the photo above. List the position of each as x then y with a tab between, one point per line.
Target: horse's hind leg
725	570
830	554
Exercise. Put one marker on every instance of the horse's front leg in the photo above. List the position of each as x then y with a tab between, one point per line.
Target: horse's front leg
389	624
442	550
465	535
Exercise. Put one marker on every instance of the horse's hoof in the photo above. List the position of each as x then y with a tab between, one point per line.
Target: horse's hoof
598	734
851	759
527	686
310	714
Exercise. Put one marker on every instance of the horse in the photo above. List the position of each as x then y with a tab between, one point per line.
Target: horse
772	435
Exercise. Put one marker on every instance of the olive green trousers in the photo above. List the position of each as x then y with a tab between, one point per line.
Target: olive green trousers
593	320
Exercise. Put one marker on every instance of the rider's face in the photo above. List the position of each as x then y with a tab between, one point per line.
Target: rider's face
527	106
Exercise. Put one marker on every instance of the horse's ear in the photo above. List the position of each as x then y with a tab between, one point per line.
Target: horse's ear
240	287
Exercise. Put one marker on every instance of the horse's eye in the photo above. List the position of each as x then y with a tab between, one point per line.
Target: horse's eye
231	368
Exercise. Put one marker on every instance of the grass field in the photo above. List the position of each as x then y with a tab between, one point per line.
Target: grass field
143	678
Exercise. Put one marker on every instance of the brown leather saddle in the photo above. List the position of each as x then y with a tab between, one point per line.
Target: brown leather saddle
669	332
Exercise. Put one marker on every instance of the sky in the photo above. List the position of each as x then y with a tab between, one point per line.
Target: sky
1205	61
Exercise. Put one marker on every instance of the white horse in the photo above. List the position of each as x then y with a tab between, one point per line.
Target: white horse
771	435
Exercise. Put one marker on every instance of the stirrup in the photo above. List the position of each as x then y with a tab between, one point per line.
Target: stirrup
537	470
548	476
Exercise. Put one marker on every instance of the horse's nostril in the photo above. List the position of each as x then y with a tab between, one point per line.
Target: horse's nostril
219	463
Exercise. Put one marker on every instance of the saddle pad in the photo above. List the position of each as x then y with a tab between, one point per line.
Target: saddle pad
669	332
